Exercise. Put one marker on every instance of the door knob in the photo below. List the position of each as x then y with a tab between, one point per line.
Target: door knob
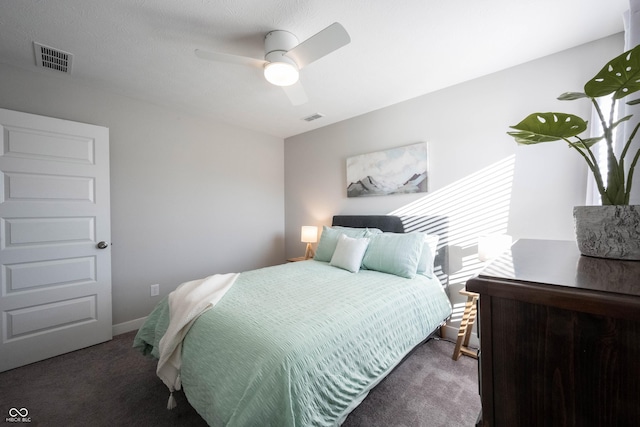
102	245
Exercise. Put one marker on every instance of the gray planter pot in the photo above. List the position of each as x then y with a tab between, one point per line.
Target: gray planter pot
608	231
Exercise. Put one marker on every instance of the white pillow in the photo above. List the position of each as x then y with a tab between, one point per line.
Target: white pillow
432	240
349	253
429	250
329	239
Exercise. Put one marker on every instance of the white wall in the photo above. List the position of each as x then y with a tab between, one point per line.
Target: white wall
189	197
478	176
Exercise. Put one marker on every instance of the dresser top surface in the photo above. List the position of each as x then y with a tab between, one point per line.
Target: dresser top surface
559	263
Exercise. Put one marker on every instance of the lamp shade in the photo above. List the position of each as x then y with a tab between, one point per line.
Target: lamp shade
493	245
309	234
281	73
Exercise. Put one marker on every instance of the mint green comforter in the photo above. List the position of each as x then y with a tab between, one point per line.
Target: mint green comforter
299	344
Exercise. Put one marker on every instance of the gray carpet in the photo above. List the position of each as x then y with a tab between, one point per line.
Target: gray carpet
112	384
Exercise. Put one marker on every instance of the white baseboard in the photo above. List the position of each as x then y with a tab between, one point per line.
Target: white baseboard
131	325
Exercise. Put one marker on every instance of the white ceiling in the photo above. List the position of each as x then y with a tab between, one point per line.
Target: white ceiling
398	50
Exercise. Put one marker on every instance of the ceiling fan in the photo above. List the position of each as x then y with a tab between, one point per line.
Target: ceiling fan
284	56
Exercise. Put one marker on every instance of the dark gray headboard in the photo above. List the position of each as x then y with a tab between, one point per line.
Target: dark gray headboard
387	223
432	224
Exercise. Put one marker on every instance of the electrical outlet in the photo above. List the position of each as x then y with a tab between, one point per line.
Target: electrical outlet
155	290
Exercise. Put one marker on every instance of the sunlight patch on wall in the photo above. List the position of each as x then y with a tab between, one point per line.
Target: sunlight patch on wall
474	206
458	311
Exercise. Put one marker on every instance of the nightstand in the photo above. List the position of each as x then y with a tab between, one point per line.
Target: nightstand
466	325
300	258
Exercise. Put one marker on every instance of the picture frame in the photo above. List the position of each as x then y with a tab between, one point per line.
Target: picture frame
400	170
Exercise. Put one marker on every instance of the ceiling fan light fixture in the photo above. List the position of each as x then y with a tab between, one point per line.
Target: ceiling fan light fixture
281	73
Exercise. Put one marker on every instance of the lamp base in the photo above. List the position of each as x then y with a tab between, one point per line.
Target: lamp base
309	253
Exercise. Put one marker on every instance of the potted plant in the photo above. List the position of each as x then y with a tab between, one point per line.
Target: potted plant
613	229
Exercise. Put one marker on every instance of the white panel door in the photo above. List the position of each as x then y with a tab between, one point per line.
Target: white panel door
55	278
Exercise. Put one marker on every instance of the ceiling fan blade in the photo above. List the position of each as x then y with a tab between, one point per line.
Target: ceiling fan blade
315	47
296	93
228	58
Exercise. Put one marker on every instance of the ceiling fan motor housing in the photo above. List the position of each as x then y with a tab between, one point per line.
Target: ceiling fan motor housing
277	43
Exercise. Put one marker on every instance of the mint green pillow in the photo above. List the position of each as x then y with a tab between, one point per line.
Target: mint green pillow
394	253
329	239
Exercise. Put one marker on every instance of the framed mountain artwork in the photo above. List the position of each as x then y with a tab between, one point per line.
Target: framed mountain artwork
399	170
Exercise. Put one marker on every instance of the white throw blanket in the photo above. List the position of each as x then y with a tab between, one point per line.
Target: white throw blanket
186	303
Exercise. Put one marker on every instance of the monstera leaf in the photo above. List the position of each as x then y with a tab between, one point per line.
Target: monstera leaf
572	96
546	127
620	77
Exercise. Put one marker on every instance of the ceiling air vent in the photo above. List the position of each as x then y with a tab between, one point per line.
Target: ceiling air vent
52	58
313	117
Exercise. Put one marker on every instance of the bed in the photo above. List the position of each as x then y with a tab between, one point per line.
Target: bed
301	344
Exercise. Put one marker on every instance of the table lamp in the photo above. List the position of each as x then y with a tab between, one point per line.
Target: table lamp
309	235
493	245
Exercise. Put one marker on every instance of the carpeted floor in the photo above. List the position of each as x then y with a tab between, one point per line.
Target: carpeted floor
112	384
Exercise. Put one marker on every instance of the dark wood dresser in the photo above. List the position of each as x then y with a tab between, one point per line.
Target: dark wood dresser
559	338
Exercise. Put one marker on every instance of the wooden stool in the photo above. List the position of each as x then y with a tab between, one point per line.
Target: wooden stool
466	325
